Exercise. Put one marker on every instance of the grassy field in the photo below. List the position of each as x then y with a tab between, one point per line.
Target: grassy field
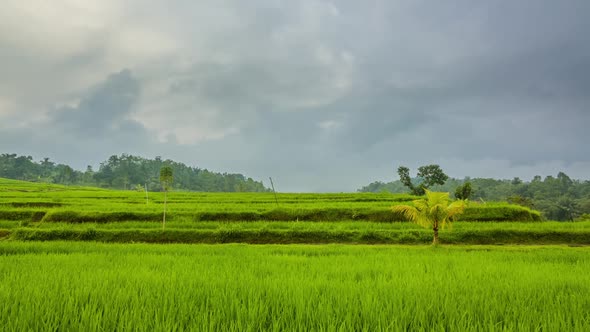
34	211
303	232
91	287
253	284
50	203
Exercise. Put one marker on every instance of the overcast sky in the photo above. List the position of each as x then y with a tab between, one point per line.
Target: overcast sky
320	95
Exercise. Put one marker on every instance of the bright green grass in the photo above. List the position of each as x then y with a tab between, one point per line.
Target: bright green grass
30	211
34	201
304	234
293	225
301	232
342	225
90	287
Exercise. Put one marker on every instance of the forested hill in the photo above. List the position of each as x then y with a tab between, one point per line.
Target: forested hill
558	198
125	172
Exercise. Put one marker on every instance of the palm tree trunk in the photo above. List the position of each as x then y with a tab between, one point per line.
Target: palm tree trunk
435	240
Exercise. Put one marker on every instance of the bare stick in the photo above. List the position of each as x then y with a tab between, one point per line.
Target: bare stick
164	220
273	190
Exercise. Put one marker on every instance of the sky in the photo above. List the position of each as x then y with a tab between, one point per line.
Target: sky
322	96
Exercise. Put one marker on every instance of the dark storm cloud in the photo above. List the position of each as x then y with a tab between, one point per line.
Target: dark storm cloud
99	125
104	111
320	95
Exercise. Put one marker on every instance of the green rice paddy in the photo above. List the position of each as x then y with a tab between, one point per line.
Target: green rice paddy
36	211
95	287
240	262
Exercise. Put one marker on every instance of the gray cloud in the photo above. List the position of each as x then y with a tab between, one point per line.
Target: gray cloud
95	126
103	111
323	96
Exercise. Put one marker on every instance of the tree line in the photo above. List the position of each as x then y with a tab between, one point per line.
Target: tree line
557	197
125	172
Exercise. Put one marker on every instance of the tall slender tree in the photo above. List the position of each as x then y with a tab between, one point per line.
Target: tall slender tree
166	178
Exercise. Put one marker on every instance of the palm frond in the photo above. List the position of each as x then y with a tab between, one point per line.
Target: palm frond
455	208
407	211
433	210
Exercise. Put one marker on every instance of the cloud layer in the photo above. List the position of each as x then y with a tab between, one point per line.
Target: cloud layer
323	96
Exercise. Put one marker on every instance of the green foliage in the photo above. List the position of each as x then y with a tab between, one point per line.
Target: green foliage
435	211
125	172
464	191
166	177
428	175
404	177
567	208
432	175
558	198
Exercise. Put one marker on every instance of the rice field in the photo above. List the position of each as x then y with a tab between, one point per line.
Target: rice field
97	287
44	212
300	265
50	203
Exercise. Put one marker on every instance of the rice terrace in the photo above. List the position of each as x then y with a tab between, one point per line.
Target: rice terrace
310	165
84	258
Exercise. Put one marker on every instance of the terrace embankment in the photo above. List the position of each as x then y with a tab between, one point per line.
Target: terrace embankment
31	211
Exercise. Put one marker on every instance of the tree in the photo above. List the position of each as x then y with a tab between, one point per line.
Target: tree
123	172
46	167
404	177
166	178
66	174
88	175
435	211
567	209
430	175
464	191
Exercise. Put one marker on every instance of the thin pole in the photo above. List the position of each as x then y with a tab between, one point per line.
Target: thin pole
146	194
164	221
273	190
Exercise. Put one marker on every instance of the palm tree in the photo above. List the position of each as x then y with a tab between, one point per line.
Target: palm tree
433	211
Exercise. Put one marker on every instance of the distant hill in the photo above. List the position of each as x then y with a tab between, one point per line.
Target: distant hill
125	172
